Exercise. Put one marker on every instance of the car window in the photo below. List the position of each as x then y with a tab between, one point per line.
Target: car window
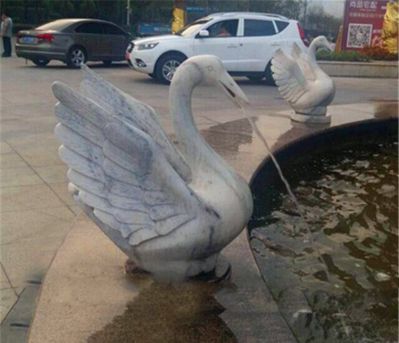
112	30
225	28
95	28
281	25
254	27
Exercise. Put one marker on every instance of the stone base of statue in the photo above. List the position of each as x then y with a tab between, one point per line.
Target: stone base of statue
313	115
221	272
311	119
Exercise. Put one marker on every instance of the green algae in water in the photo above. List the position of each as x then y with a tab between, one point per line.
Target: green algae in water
348	271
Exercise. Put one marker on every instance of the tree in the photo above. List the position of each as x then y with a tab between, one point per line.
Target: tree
65	8
320	22
289	8
88	9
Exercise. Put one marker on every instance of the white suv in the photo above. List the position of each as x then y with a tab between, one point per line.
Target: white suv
244	41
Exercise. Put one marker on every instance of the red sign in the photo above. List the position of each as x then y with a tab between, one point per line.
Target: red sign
363	21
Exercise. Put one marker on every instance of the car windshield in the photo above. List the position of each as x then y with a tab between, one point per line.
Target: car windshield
56	25
193	27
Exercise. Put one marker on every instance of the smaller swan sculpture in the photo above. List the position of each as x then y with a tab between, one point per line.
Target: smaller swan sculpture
302	83
171	211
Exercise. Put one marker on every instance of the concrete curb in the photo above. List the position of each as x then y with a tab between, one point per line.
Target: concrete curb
361	69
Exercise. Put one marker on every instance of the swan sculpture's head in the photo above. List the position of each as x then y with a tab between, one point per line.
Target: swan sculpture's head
209	69
321	42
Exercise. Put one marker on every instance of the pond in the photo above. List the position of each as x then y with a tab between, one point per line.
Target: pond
333	266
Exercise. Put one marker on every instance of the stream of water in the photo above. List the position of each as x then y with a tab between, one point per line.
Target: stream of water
280	173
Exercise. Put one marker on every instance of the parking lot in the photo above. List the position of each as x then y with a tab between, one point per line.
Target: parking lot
37	212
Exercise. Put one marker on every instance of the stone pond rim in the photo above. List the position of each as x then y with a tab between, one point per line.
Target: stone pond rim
374	69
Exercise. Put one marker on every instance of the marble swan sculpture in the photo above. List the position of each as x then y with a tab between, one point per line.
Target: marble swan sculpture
302	83
171	211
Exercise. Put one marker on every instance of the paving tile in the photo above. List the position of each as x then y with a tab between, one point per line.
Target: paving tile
30	259
90	303
358	107
21	176
39	155
8	299
20	127
29	224
29	98
4	283
11	160
27	111
79	212
52	174
30	240
28	197
5	148
61	189
39	139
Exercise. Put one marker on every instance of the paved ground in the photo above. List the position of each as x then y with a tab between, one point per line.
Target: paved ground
36	211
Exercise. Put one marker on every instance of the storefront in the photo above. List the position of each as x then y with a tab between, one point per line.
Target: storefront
363	23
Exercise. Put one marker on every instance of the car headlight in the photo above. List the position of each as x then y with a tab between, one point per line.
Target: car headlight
147	46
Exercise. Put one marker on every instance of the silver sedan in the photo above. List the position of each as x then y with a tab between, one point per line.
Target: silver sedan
73	41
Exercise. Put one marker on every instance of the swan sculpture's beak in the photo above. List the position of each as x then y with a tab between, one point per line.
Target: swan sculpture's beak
326	48
232	90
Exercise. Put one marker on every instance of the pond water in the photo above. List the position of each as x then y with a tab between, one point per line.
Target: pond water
334	271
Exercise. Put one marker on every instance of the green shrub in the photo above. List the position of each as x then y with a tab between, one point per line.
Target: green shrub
350	56
379	53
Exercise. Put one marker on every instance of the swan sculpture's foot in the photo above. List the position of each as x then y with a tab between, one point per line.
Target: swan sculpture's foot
132	268
221	272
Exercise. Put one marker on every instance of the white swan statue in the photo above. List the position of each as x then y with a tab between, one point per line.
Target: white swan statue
301	82
170	211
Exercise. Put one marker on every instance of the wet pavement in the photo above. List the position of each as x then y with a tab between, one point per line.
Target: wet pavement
37	212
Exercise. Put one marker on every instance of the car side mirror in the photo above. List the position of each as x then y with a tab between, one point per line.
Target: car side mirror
203	33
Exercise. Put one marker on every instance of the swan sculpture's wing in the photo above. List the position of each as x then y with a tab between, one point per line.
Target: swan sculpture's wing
121	173
141	115
289	77
305	63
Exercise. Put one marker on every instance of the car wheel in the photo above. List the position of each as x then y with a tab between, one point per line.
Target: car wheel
167	65
107	63
41	62
256	78
76	57
269	75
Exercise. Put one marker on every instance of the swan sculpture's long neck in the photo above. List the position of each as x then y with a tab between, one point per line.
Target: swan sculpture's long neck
313	49
208	169
198	154
317	43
